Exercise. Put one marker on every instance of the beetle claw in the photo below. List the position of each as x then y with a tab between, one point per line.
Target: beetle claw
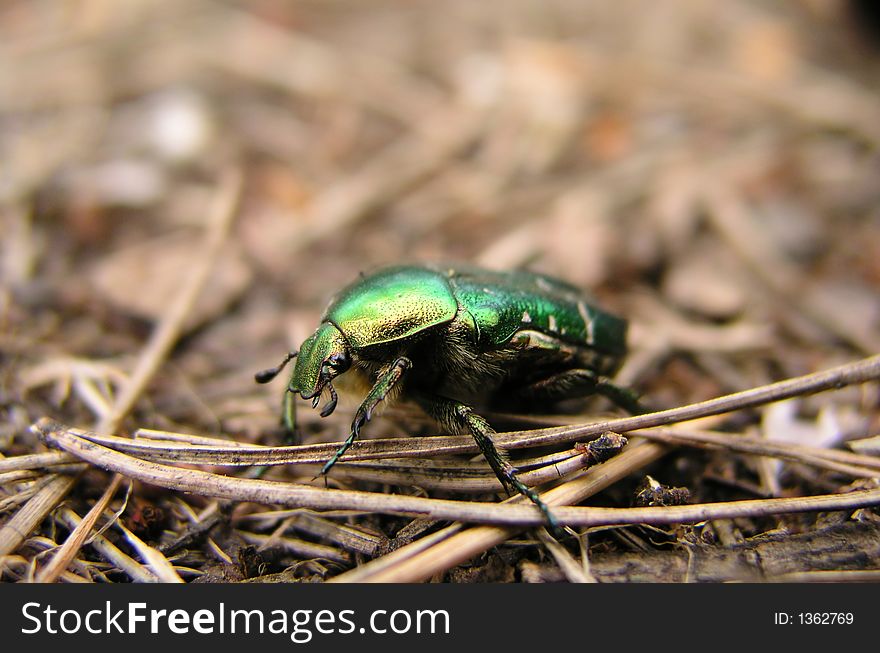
358	422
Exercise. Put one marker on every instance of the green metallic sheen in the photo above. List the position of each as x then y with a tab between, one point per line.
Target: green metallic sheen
473	330
392	304
504	303
398	303
317	348
449	337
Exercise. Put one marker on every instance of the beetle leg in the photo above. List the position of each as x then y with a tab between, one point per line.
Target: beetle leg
288	417
288	406
457	416
580	383
380	390
622	397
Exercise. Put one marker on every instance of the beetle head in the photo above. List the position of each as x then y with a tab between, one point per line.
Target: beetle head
323	356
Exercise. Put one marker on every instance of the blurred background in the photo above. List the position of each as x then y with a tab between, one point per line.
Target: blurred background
708	170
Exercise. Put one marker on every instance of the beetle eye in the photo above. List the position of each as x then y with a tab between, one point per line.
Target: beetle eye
339	362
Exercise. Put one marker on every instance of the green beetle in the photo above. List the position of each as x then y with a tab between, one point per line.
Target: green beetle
450	337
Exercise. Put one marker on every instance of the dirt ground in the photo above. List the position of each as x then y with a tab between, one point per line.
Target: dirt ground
185	185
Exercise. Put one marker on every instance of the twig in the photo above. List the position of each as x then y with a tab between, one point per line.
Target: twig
34	461
351	539
454	544
861	371
33	512
198	529
835	460
158	563
573	572
154	354
867	369
111	552
67	552
866	446
297	547
442	550
291	494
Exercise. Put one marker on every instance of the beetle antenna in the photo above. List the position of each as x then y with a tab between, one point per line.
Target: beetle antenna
267	375
331	405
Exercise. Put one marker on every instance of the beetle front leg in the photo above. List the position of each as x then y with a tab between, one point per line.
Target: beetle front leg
456	415
388	379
